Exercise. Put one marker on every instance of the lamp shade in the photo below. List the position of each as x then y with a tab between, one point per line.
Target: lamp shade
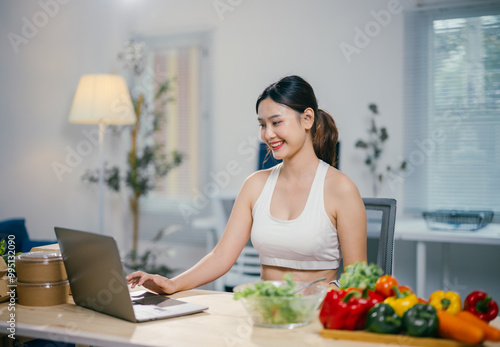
102	98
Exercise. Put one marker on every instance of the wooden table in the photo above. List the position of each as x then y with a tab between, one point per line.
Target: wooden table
225	324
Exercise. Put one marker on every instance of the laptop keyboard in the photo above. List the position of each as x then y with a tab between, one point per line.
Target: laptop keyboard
146	312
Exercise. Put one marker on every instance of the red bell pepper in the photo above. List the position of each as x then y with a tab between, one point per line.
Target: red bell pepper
481	305
347	309
404	289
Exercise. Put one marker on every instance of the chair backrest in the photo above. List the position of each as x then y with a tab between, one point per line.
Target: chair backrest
247	267
223	205
223	208
381	220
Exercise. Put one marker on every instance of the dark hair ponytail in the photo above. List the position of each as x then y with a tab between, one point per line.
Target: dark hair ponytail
296	93
325	136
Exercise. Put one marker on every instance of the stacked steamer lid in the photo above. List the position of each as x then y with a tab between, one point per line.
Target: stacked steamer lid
41	279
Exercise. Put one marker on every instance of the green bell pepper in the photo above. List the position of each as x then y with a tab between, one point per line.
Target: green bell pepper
383	319
421	321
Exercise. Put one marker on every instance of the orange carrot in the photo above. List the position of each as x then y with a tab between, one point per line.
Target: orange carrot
454	328
490	333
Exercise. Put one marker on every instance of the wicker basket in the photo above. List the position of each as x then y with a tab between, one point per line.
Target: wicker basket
456	220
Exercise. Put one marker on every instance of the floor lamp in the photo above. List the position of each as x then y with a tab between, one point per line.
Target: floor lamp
102	99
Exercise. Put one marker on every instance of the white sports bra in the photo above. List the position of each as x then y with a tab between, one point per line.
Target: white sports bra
308	242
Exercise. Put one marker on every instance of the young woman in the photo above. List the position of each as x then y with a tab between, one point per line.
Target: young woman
299	213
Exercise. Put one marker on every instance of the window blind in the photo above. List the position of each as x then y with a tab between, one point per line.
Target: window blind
452	109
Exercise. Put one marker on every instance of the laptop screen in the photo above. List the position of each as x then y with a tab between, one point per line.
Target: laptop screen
95	272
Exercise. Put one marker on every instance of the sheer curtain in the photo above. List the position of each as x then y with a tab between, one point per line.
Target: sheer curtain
452	108
185	126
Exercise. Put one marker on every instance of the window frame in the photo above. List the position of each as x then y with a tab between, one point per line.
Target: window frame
418	96
156	202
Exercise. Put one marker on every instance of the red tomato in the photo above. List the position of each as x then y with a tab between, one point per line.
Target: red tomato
384	285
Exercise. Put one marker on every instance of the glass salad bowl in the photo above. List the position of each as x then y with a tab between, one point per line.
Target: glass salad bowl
273	304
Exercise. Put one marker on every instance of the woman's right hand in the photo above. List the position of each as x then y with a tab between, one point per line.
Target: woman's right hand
155	283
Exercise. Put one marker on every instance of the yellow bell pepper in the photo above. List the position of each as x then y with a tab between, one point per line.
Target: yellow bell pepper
446	301
401	301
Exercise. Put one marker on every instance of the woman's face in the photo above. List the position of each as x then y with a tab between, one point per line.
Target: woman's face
282	129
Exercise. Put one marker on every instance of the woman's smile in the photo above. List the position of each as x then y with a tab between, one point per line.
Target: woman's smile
275	145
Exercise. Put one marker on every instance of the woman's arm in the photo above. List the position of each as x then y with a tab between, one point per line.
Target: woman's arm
219	260
345	205
226	252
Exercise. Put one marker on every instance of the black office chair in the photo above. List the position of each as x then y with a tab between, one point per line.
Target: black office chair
381	221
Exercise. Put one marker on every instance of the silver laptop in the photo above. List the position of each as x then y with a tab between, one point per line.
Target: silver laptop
98	282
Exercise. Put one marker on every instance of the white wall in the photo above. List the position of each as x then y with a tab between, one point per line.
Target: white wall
37	84
254	44
261	41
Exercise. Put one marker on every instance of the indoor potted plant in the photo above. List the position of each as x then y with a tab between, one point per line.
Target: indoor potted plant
146	161
373	146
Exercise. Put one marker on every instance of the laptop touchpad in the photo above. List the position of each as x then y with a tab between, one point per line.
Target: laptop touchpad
148	298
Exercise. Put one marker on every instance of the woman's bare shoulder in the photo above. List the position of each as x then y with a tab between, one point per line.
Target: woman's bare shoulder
253	185
257	179
339	184
341	196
